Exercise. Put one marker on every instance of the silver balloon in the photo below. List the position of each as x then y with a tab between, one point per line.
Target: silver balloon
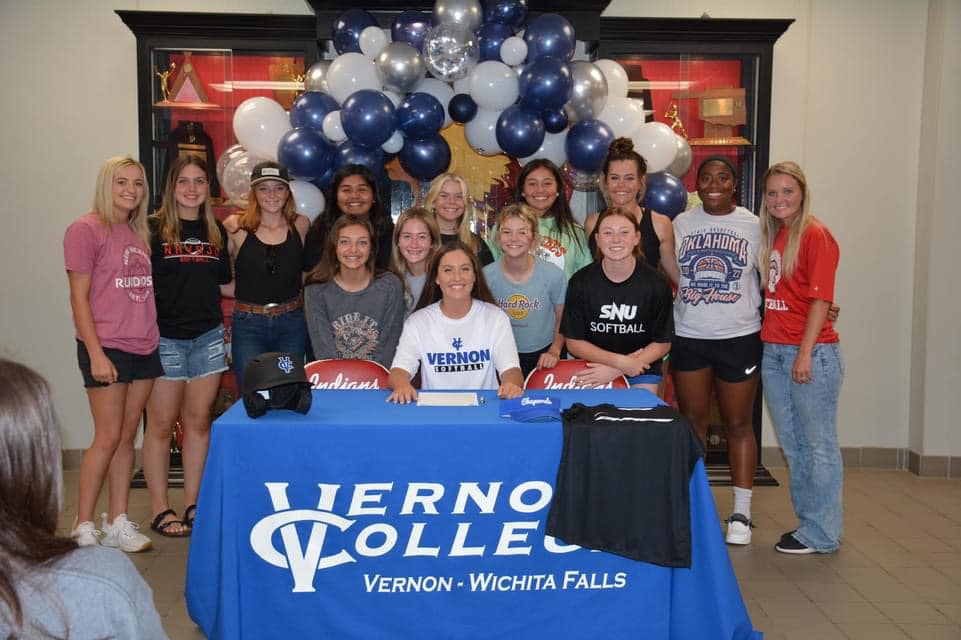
450	52
682	161
589	93
400	67
316	77
581	180
464	13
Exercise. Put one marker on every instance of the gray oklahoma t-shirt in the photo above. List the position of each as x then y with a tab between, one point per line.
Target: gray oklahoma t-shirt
718	295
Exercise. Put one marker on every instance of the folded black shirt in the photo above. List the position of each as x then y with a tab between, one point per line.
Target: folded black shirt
622	483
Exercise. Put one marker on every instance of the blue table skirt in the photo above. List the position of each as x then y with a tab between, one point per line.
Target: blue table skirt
416	522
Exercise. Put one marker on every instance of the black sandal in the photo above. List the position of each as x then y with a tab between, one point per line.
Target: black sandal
161	527
189	516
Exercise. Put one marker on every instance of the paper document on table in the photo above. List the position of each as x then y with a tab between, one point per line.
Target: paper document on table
436	399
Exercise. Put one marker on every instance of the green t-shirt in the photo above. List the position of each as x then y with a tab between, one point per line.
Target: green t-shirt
567	251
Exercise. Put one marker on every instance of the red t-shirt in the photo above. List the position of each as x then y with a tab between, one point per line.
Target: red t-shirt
788	299
121	285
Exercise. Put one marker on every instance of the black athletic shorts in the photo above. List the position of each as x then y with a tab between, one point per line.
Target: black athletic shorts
733	359
130	366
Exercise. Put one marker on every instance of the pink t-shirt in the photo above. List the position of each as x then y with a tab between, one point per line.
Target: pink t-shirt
121	285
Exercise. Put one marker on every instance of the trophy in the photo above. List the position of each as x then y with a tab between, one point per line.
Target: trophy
722	109
186	91
676	125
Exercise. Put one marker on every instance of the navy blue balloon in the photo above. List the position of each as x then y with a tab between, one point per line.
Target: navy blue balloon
490	37
349	153
462	108
309	109
555	120
519	131
586	144
411	27
665	194
368	118
509	12
324	180
347	27
420	115
549	35
545	83
305	152
425	159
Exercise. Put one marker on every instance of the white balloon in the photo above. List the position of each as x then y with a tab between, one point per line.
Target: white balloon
394	143
462	85
622	115
394	97
440	90
333	127
657	143
308	200
513	50
493	85
372	40
351	72
259	124
552	148
481	132
616	77
682	161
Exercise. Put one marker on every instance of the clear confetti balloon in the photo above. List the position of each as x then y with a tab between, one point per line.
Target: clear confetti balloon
450	51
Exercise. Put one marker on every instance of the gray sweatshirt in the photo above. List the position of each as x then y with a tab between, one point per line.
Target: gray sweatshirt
93	592
356	325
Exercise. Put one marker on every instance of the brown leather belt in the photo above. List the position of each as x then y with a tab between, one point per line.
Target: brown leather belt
271	309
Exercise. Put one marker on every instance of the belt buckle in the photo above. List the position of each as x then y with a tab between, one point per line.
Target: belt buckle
271	308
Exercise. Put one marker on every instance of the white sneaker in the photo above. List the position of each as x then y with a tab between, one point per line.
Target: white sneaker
123	534
738	529
86	534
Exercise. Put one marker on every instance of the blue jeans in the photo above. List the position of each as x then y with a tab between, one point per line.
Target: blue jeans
255	333
805	418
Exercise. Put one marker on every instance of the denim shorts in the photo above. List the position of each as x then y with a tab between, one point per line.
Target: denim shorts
189	359
129	366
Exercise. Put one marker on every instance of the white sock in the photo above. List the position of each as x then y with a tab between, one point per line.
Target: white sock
742	501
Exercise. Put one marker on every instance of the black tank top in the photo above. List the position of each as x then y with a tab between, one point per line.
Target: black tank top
268	273
650	243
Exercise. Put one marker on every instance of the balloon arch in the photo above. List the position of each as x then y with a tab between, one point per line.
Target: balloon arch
510	81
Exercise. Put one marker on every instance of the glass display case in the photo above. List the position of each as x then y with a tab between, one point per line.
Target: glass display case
710	101
195	93
195	69
709	79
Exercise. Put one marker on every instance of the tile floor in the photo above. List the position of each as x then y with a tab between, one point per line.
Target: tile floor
897	575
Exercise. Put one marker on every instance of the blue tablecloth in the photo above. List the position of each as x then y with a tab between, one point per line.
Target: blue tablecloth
369	520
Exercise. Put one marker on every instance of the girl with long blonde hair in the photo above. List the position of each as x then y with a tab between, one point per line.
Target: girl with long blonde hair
108	267
802	368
